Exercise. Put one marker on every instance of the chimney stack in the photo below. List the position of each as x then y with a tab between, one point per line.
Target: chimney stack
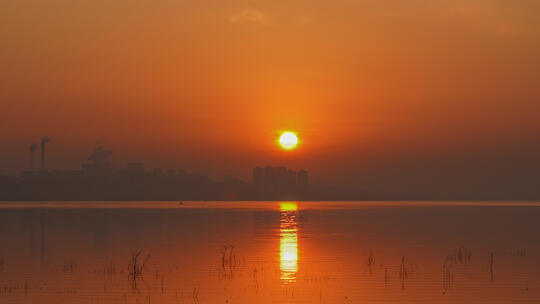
44	140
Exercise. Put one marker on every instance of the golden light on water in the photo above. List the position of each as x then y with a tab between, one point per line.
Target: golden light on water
288	243
288	206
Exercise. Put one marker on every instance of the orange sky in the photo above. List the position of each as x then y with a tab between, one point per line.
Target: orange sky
370	86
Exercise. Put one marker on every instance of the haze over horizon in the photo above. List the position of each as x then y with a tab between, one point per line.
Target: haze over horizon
437	97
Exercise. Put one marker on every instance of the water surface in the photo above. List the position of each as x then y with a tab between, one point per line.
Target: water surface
269	252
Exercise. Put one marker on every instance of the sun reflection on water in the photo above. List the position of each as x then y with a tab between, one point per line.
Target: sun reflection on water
288	243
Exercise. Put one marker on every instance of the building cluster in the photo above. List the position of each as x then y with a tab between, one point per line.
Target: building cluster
280	183
98	179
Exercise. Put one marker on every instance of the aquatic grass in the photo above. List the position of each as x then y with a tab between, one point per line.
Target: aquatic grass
491	263
110	271
136	267
403	272
230	262
371	262
447	277
228	257
69	266
195	294
461	257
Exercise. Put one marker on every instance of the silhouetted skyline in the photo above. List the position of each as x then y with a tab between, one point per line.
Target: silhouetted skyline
98	179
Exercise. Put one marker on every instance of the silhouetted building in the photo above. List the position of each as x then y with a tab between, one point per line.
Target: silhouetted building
98	164
231	180
157	172
278	183
258	176
303	178
10	188
291	177
135	168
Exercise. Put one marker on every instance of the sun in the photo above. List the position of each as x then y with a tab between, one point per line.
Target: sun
288	140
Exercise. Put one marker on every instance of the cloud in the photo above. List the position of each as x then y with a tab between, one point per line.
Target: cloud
247	16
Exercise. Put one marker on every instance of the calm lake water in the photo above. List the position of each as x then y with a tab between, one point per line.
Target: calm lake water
269	252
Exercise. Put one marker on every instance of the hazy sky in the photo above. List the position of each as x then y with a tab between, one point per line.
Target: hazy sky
397	95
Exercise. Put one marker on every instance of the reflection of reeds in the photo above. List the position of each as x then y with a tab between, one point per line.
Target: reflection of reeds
491	256
403	273
69	266
386	277
14	288
463	255
110	271
136	267
162	284
195	294
1	263
228	257
229	262
453	263
520	252
255	278
447	277
371	261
